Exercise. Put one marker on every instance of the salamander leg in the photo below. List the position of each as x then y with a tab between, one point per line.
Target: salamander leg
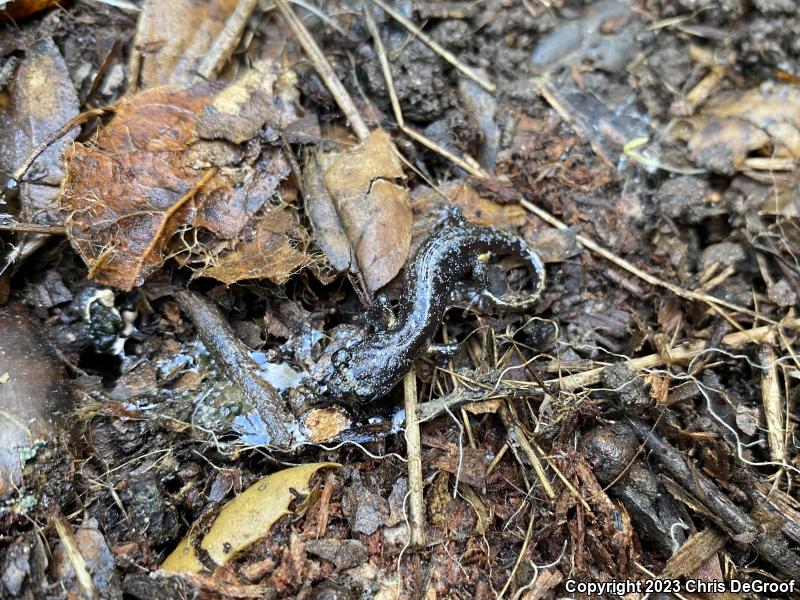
441	353
380	315
452	217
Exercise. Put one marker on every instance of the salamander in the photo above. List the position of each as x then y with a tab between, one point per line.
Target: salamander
368	368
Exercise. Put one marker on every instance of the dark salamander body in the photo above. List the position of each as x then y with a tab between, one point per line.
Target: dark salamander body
370	367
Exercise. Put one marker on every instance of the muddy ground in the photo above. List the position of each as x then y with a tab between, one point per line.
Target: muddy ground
638	423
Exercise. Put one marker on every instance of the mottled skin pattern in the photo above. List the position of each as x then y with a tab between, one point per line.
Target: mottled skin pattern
370	367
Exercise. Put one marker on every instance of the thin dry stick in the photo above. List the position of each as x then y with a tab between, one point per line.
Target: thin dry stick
445	54
414	455
771	397
120	4
516	434
325	70
76	559
567	483
53	136
135	58
33	228
227	40
398	112
528	534
685	353
464	415
384	62
562	111
496	460
631	268
523	470
468	427
474	171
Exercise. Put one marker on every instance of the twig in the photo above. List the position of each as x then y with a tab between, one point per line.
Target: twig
771	397
414	453
631	268
234	360
724	513
676	355
693	553
445	54
227	40
433	408
120	4
324	70
384	62
516	435
555	102
79	119
320	15
528	534
76	559
33	228
472	170
567	483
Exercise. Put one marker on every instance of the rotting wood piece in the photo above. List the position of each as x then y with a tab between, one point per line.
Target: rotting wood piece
725	514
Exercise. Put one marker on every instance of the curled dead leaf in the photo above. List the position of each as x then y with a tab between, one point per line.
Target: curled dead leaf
41	98
361	217
274	248
239	111
244	520
433	204
735	125
149	188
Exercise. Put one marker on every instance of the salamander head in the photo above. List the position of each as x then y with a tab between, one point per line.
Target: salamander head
350	379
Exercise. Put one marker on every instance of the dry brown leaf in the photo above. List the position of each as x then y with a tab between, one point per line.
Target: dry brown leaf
321	211
467	462
174	36
126	195
239	111
361	217
19	9
430	203
148	176
274	249
722	145
766	119
41	98
227	211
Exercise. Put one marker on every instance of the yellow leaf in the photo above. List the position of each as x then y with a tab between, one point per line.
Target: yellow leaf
246	519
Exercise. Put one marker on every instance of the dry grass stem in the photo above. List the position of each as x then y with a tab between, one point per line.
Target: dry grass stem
676	355
76	559
633	269
414	454
772	398
384	62
33	228
227	40
469	168
444	53
324	69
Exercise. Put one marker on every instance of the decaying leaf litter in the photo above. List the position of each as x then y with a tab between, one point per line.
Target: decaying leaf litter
284	161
